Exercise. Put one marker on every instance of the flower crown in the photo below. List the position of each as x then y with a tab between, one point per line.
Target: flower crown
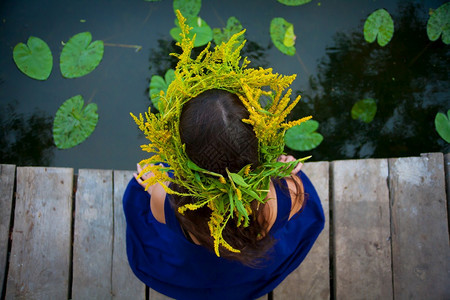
227	196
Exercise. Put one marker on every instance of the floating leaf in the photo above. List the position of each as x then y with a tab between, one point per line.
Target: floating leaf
233	26
442	124
34	59
79	56
188	8
364	110
294	2
73	123
380	24
158	84
303	137
203	33
438	23
282	32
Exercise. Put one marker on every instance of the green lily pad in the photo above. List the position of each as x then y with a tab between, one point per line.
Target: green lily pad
303	137
200	28
34	59
73	123
79	56
294	2
442	124
439	23
379	24
364	110
188	8
158	84
282	35
233	26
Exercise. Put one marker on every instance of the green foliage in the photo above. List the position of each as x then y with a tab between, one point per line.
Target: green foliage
158	84
34	59
293	2
233	26
442	124
282	35
79	56
364	110
439	23
203	33
188	8
303	137
379	24
73	123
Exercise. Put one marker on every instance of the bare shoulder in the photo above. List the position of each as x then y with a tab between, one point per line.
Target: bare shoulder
158	197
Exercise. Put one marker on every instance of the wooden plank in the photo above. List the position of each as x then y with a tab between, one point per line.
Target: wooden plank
447	185
361	217
125	285
93	234
420	243
7	173
311	280
40	255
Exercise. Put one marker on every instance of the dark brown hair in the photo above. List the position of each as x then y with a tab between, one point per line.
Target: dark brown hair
215	137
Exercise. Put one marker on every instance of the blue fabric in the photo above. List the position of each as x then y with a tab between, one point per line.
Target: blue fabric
162	257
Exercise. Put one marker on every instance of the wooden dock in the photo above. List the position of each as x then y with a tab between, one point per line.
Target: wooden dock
386	234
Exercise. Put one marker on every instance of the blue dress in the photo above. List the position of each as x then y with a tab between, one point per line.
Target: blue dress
161	256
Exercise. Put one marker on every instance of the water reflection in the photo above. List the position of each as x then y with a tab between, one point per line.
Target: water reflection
409	79
25	140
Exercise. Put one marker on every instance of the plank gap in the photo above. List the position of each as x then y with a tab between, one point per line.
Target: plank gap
113	233
72	236
331	231
391	193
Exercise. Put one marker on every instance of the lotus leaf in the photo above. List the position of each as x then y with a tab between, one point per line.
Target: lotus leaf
364	110
200	28
34	59
282	34
233	26
379	24
294	2
438	23
158	84
303	137
442	124
188	8
79	56
73	123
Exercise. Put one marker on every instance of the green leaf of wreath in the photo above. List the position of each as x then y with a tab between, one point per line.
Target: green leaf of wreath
34	59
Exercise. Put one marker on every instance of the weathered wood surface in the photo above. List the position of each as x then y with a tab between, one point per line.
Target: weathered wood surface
40	255
125	284
311	280
420	244
364	196
7	176
361	229
93	234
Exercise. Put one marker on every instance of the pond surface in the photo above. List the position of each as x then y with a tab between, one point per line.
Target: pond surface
408	78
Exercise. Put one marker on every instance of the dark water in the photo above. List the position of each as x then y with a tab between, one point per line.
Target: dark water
409	78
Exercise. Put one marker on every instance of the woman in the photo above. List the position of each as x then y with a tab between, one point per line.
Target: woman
220	218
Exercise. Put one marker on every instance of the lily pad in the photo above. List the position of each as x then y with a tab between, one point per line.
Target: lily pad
439	23
79	56
282	35
73	123
364	110
233	26
200	28
294	2
158	84
442	124
303	137
34	59
188	8
379	25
